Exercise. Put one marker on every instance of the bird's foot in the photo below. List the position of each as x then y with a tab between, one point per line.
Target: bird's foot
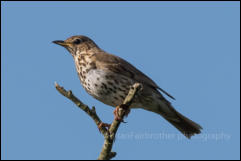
103	125
116	114
126	112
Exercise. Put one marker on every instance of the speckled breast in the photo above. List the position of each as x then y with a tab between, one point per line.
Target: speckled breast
106	86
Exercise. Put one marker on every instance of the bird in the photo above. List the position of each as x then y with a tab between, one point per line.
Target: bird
108	78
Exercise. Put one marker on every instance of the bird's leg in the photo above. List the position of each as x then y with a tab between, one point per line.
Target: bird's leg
126	112
103	125
116	114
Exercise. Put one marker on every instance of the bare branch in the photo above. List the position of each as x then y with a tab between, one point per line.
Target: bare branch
81	105
106	149
109	135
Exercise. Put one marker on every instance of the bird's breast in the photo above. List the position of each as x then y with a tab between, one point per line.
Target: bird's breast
106	86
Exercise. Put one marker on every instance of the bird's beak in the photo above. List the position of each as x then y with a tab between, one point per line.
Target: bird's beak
62	43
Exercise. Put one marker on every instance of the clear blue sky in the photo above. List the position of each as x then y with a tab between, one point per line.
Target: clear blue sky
190	49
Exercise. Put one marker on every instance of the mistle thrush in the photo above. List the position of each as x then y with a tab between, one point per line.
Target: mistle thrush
108	78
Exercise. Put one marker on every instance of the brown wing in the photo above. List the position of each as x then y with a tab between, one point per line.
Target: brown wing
118	65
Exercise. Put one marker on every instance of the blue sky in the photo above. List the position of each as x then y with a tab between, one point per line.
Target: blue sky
190	49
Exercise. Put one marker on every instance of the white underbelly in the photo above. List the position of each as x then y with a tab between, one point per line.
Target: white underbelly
108	88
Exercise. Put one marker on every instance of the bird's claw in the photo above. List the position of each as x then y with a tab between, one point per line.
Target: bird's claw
116	112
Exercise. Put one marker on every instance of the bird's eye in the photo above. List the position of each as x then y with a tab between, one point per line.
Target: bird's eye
77	41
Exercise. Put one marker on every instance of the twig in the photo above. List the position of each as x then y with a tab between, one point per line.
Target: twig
109	135
81	105
106	149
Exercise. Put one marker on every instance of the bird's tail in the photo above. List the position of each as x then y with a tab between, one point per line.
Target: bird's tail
184	125
164	108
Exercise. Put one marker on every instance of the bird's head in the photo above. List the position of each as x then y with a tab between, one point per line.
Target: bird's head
77	44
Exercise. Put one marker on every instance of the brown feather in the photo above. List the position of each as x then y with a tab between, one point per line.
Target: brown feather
116	64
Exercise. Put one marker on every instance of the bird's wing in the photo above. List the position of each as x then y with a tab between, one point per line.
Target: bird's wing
118	65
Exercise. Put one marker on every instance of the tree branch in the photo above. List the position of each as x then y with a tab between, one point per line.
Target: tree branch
81	105
109	135
106	149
